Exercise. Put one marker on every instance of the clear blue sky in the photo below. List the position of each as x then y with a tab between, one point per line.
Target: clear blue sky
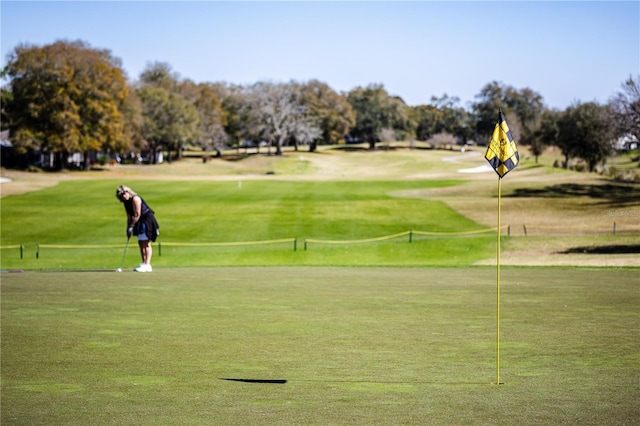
566	51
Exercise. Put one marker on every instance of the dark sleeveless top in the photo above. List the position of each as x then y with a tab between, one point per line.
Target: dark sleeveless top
144	208
147	223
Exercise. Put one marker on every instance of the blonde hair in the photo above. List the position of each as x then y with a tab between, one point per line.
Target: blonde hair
122	189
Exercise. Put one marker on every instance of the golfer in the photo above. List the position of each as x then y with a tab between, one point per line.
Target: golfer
141	221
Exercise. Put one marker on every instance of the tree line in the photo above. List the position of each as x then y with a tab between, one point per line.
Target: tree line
68	97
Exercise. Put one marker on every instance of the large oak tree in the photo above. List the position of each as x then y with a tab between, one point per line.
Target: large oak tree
278	113
585	131
66	97
170	117
331	110
375	110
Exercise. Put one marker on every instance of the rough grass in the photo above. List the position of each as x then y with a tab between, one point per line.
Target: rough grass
355	345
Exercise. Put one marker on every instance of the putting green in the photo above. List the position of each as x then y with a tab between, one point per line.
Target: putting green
355	345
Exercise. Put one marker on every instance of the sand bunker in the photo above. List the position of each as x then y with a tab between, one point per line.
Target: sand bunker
479	169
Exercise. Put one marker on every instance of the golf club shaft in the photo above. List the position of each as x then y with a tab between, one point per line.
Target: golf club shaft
125	253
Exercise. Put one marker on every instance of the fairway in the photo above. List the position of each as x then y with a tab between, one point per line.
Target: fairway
355	346
196	217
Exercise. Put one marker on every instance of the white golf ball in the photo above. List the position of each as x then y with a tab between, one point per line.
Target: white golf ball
119	270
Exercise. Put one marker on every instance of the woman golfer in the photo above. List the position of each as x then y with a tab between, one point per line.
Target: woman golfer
141	221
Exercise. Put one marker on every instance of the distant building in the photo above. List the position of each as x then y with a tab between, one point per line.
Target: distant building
7	153
627	142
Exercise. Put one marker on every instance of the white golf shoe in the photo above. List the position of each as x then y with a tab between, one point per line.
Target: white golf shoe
143	267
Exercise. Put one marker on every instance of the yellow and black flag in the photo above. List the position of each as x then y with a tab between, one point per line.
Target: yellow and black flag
502	152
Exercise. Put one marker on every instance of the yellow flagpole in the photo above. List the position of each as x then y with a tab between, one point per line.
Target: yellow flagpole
498	288
502	154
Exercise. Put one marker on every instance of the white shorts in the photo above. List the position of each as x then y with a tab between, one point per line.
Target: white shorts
142	236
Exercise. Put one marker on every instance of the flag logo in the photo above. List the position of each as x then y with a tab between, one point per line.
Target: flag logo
502	152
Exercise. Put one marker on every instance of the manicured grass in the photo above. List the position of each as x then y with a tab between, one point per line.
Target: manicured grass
357	346
86	213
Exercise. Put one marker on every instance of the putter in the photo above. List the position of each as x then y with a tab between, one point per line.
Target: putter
123	255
